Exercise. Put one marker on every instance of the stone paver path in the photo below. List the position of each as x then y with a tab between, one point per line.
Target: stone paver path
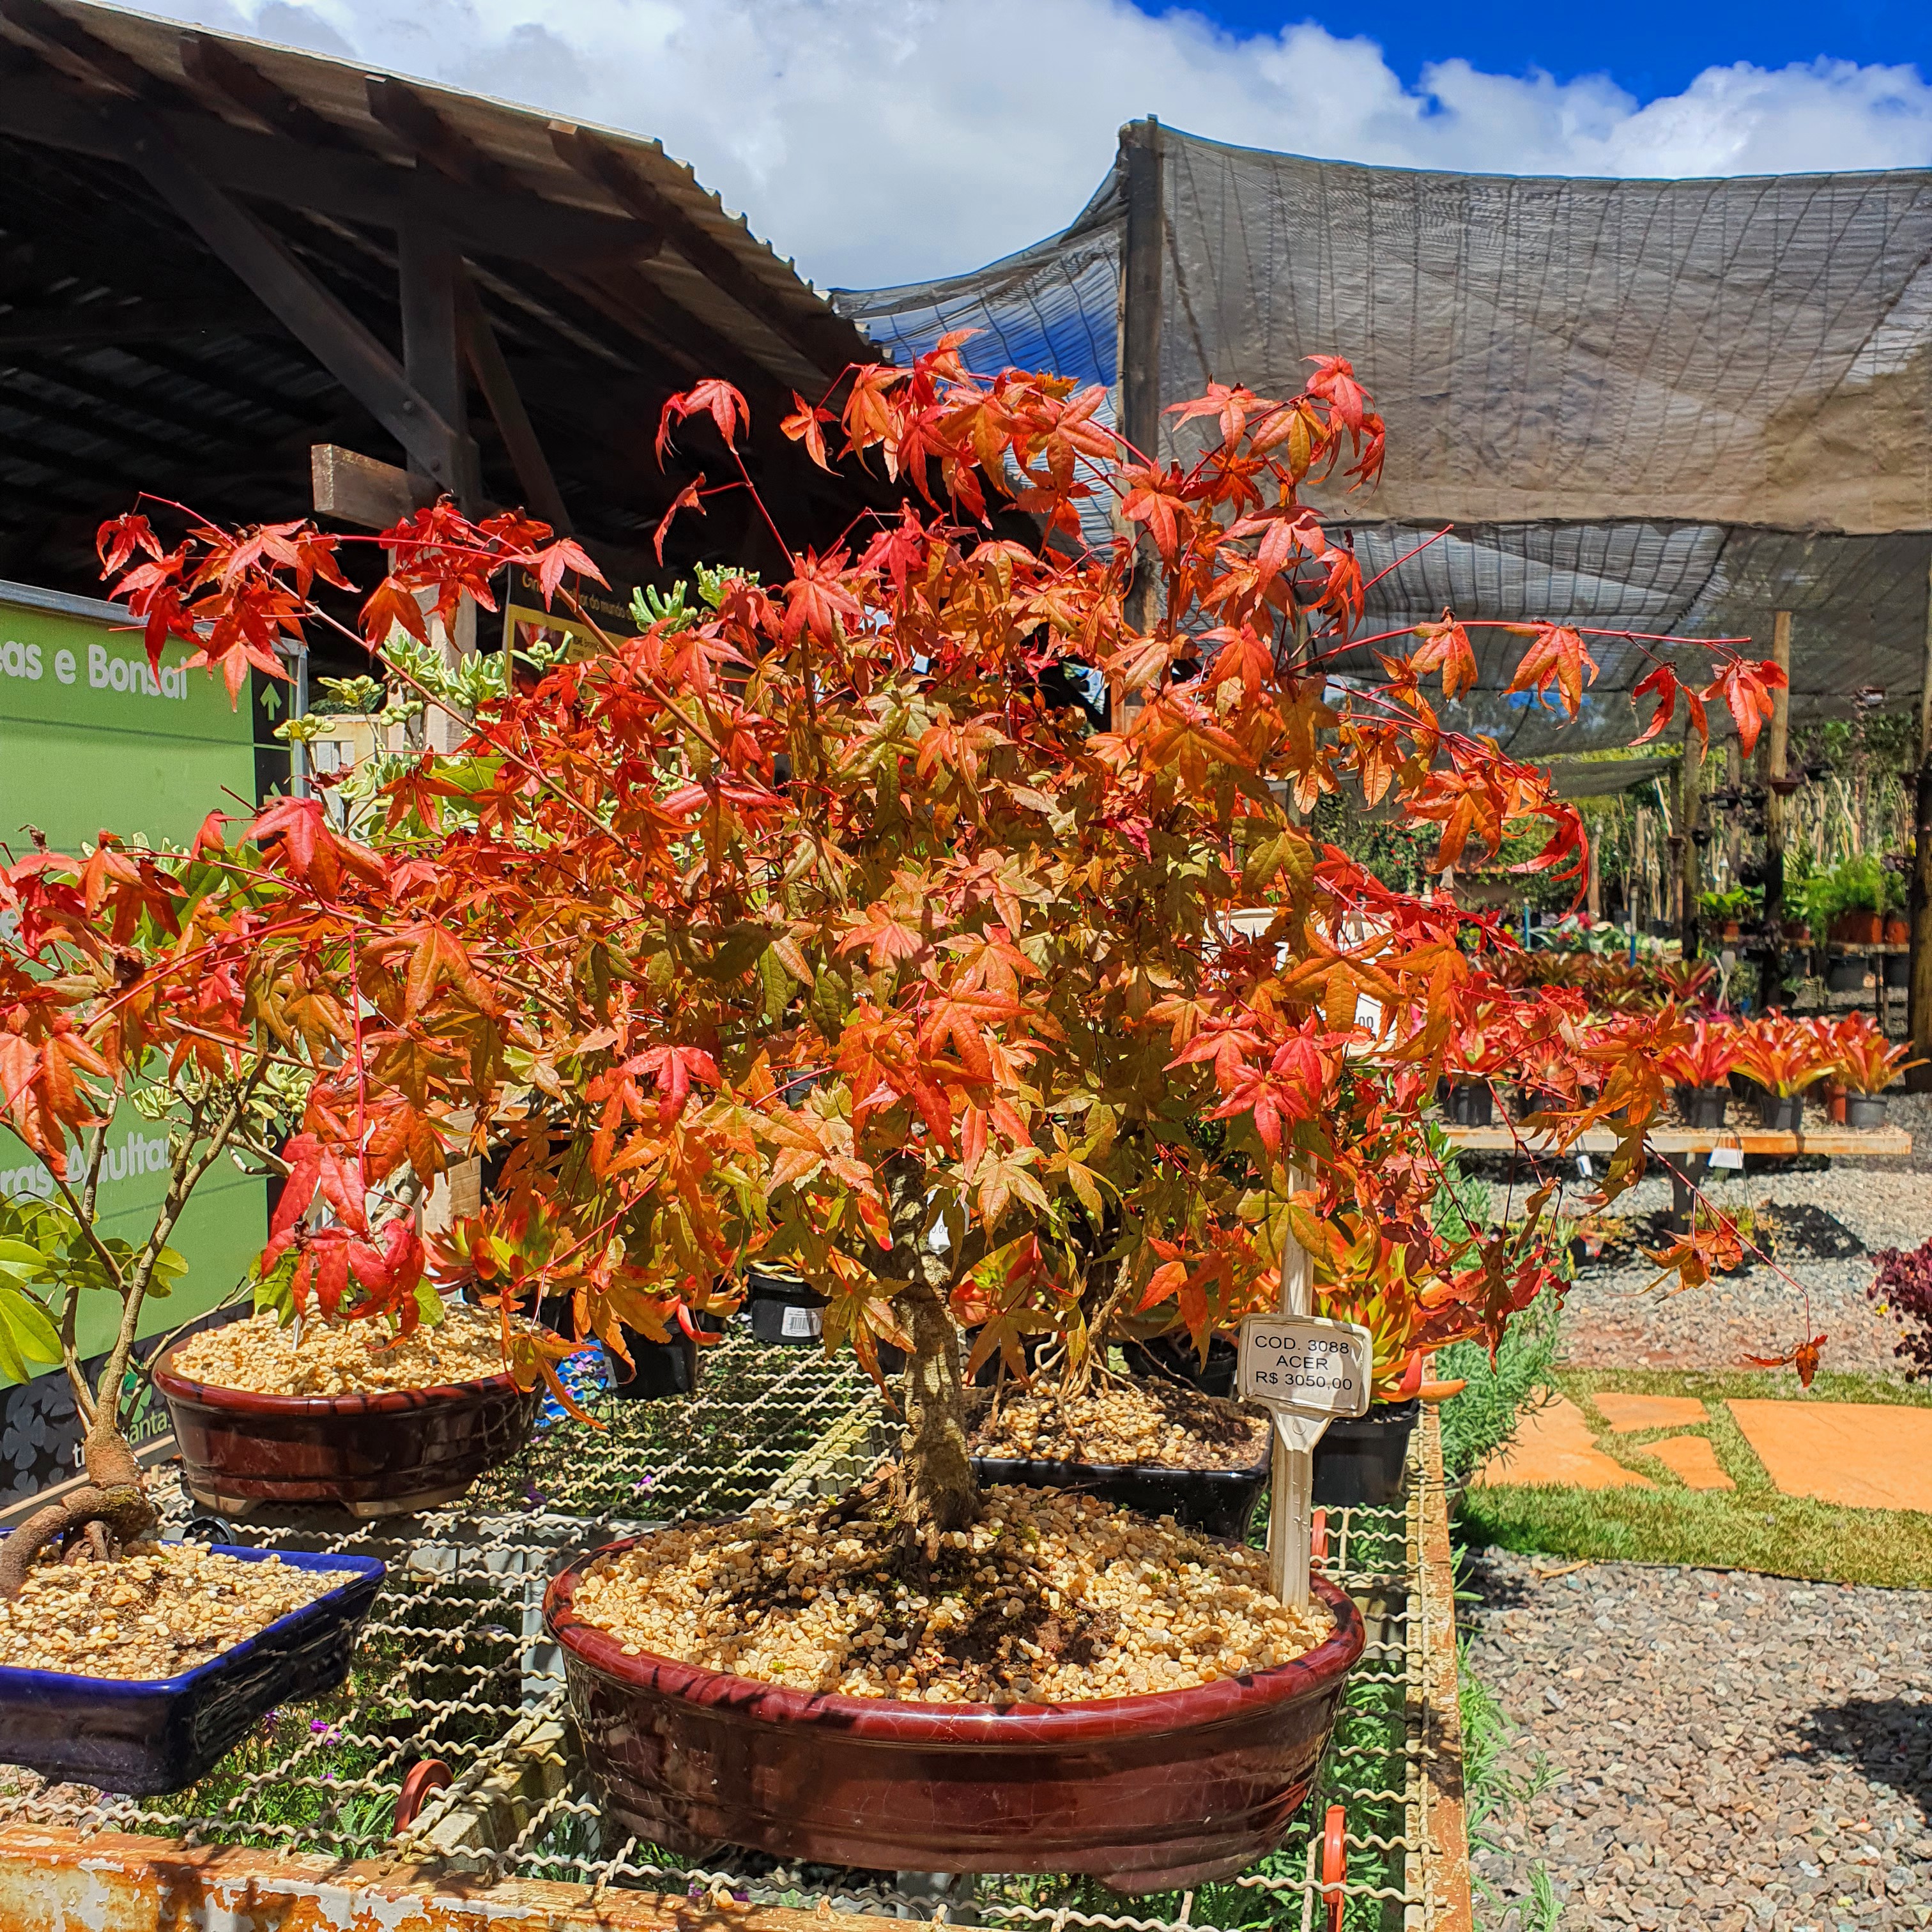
1704	1752
1858	1455
1692	1460
1553	1444
1624	1412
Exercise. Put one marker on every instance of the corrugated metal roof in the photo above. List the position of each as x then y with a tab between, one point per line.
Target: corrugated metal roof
131	358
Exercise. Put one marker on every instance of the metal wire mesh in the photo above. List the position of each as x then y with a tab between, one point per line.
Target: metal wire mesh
454	1665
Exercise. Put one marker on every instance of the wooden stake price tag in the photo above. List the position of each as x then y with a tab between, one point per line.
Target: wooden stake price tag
1306	1370
1307	1363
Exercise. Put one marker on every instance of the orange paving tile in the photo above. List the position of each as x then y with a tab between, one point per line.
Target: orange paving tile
1626	1412
1693	1458
1554	1445
1859	1455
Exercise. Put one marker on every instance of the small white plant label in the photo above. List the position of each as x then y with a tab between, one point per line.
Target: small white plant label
1304	1362
802	1324
1728	1156
1584	1169
1369	1014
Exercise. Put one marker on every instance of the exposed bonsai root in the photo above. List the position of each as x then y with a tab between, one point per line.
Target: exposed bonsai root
108	1512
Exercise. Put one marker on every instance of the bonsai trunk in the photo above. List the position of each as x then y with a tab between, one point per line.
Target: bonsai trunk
938	1491
107	1512
941	1493
111	1509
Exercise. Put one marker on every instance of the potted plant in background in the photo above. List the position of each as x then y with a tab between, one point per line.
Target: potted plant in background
1700	1068
1785	1057
1847	902
1004	950
135	976
354	1384
1865	1062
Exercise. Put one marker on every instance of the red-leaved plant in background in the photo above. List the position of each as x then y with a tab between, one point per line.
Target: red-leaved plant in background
807	926
1705	1059
1782	1055
1902	1287
1862	1057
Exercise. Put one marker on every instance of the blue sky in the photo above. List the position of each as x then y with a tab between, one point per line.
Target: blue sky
1649	50
882	141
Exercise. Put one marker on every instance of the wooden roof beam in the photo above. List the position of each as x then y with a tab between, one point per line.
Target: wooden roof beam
102	324
350	186
307	307
85	56
828	341
426	134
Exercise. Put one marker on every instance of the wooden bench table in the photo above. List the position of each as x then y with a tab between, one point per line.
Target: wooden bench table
1685	1152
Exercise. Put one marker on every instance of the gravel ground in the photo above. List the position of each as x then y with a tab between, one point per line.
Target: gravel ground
1618	1320
1696	1749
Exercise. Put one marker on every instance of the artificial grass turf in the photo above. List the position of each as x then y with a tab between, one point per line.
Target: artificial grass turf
1755	1526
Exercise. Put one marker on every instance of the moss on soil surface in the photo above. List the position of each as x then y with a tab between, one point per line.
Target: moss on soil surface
1755	1526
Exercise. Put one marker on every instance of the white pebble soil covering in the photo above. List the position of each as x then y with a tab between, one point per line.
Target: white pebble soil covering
160	1609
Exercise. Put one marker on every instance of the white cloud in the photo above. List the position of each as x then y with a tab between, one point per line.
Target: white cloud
886	140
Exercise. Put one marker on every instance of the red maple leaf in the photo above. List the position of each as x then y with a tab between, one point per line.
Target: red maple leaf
712	397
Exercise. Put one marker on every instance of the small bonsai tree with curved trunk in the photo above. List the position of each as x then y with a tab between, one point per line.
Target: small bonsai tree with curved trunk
816	925
137	975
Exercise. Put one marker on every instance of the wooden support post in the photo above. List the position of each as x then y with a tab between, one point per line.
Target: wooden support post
1142	277
499	390
1691	811
1776	743
1919	998
427	270
1676	841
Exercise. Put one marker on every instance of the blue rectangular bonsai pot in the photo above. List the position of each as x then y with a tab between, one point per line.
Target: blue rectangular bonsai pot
142	1738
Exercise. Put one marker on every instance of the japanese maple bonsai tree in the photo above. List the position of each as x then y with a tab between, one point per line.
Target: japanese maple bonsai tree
813	925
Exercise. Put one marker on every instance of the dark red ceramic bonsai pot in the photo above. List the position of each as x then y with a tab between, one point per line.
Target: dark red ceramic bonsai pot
1168	1790
382	1454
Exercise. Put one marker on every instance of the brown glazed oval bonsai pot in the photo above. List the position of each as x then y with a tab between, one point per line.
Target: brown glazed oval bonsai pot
1147	1793
388	1453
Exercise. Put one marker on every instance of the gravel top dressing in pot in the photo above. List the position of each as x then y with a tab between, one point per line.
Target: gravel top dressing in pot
1150	1421
360	1357
162	1609
1051	1597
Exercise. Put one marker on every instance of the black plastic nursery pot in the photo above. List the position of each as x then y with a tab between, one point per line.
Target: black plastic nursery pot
144	1737
782	1309
1175	1357
658	1372
1704	1106
1781	1113
1221	1501
1864	1110
1358	1461
1468	1103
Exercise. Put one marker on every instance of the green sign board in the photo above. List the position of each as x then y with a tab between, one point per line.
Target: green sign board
90	740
